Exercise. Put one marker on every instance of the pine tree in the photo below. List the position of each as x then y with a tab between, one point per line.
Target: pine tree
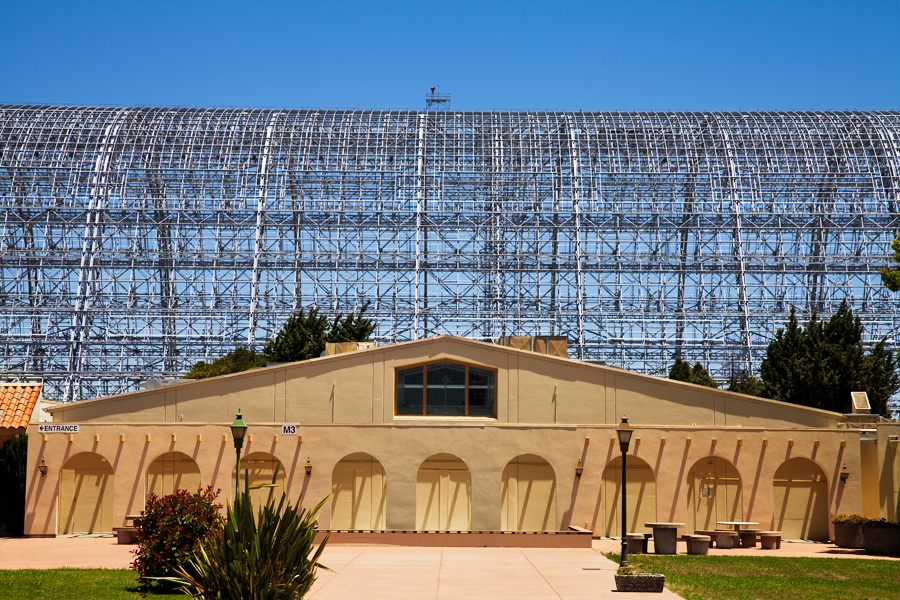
745	383
302	336
682	371
891	277
821	364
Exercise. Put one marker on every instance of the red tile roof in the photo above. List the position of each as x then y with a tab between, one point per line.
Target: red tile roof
17	401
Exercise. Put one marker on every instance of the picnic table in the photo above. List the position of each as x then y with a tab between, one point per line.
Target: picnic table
665	536
747	536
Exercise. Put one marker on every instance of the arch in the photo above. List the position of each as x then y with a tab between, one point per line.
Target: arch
713	493
443	494
529	495
172	471
260	466
86	492
640	501
800	503
358	493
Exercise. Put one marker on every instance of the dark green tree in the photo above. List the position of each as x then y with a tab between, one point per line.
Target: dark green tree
13	459
820	365
745	383
239	359
891	277
682	371
302	336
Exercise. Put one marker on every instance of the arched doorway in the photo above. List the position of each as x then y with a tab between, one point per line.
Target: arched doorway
714	494
443	494
801	500
640	500
358	493
172	471
260	466
86	495
529	495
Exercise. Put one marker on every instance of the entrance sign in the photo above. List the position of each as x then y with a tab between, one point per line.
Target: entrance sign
288	430
60	428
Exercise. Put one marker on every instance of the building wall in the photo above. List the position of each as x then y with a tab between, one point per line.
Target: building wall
360	388
550	409
401	449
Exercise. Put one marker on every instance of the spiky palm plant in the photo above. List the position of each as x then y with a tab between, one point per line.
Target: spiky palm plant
262	555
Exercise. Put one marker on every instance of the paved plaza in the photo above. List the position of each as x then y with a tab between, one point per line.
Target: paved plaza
398	573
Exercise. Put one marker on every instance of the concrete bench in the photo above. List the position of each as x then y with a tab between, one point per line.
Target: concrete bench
723	538
769	540
698	544
748	537
636	543
126	535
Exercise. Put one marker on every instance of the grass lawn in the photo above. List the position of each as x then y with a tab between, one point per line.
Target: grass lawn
72	584
772	577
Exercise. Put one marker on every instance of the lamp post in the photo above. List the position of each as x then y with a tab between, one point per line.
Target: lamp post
623	432
238	431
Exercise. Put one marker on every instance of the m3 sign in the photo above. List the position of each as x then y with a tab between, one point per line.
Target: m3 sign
288	430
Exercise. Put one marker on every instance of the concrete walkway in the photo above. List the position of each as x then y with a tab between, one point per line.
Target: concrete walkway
397	573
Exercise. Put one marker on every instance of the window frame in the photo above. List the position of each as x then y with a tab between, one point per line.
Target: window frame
424	366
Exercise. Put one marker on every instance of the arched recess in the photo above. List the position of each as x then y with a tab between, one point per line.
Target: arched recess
640	500
172	471
713	494
358	493
529	495
86	495
261	466
443	494
801	500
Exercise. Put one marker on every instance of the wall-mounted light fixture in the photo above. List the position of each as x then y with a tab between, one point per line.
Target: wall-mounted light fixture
844	474
308	467
42	467
579	469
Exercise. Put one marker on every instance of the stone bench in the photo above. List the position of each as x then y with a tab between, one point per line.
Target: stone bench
723	538
126	535
769	540
748	537
636	543
698	544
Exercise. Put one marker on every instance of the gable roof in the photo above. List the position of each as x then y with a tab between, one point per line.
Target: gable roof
17	402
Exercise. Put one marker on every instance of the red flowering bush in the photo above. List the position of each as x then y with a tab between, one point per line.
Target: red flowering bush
172	527
851	519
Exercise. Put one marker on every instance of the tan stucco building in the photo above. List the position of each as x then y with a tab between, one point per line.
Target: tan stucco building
453	434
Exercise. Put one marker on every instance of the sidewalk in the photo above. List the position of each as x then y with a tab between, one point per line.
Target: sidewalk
386	572
398	573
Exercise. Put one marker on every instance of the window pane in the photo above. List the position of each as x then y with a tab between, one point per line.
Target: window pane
446	389
481	392
409	391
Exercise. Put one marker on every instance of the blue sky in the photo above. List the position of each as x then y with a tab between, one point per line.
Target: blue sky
641	55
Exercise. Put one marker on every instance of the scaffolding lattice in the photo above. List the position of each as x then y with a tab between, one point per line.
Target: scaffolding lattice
139	240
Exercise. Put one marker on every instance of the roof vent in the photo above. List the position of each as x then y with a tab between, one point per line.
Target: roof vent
554	345
861	404
332	348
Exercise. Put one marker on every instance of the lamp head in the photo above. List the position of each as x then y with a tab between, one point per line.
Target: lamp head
238	430
579	469
42	467
844	474
624	432
308	467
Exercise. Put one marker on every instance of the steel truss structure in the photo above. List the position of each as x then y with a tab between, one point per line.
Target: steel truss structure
136	241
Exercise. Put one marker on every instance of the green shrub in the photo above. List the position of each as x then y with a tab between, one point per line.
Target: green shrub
13	460
172	527
269	555
852	519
